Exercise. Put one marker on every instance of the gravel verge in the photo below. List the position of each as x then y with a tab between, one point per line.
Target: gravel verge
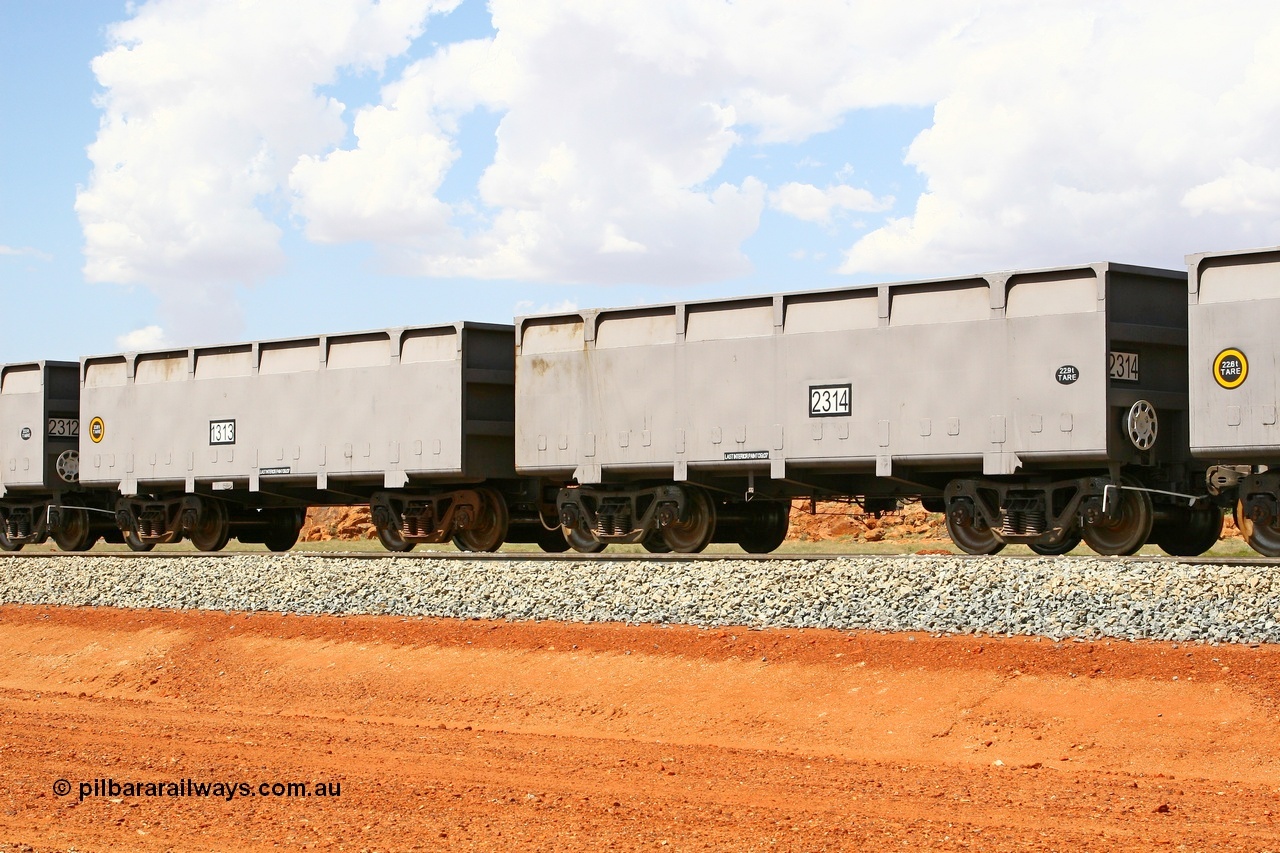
1055	597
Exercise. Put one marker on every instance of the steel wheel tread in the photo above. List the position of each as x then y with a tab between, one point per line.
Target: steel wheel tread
1130	532
392	540
1067	545
1191	537
75	533
973	540
213	528
693	534
1263	538
582	541
769	528
655	544
283	527
490	527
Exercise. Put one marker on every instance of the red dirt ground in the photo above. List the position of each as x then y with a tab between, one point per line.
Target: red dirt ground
475	735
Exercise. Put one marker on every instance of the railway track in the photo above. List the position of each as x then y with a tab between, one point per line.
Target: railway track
605	557
1211	599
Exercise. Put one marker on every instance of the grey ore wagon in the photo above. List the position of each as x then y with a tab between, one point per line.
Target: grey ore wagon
1036	407
40	490
237	440
1235	384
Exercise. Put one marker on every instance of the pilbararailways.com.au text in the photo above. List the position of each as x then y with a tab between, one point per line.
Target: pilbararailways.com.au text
195	788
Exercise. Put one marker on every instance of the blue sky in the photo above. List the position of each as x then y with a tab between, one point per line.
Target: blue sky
189	172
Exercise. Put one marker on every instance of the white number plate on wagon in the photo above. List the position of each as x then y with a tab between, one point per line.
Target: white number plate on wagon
830	401
222	432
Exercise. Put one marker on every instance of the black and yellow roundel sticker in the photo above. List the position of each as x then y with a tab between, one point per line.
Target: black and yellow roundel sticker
1230	368
97	429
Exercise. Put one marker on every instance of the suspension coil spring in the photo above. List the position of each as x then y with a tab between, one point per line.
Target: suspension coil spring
1033	521
19	526
1012	524
613	520
622	521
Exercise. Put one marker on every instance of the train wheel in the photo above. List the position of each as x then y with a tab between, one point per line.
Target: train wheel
770	522
1190	536
973	538
692	534
283	527
213	527
1128	532
552	541
135	543
7	544
74	533
581	540
1262	537
393	540
1066	545
490	527
655	544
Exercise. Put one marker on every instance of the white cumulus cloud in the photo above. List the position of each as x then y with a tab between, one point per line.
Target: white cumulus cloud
146	338
1061	131
1081	131
813	204
206	107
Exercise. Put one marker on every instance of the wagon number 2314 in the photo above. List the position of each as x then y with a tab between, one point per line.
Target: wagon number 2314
827	401
1123	365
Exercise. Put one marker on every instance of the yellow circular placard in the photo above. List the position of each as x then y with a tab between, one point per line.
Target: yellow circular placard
97	429
1230	368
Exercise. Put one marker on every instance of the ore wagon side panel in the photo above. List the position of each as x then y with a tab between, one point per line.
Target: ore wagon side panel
917	385
554	388
376	408
987	374
1055	367
728	385
39	418
1234	381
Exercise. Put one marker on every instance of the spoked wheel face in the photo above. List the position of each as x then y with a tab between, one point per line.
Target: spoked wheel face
283	527
973	538
692	534
68	466
1066	545
581	540
655	544
1190	536
73	533
490	527
213	528
1130	529
769	524
1261	536
1142	425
